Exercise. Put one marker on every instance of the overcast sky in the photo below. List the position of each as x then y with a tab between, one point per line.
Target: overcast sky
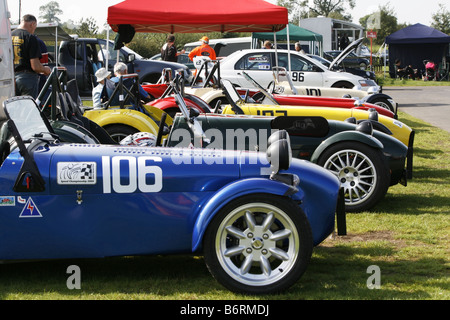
407	11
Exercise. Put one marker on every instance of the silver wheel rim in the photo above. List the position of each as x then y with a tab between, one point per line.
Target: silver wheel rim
257	244
356	172
118	136
383	105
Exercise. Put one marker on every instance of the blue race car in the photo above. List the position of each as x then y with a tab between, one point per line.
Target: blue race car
254	216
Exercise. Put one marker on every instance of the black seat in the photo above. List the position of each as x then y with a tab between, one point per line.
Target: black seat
5	149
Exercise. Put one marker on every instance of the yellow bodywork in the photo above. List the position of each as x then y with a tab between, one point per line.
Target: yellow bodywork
399	130
129	117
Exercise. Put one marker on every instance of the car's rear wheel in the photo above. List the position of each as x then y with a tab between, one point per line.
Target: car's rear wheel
258	244
361	171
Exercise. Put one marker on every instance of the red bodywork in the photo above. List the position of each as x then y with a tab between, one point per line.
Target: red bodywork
156	90
294	100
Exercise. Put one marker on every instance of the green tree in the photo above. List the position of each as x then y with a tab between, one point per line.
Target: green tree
441	19
85	28
49	12
388	23
336	9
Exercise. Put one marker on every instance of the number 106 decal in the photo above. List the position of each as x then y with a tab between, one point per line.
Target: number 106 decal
124	174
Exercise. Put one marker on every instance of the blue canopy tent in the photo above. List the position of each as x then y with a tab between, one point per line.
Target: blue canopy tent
416	43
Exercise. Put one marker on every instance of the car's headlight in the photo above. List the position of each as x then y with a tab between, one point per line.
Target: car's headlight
367	83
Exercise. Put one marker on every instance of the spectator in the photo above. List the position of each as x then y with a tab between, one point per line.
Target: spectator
121	69
344	41
298	48
267	44
27	55
169	50
104	89
404	72
203	50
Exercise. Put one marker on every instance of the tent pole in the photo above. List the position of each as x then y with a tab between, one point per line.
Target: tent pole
276	51
289	48
107	47
384	69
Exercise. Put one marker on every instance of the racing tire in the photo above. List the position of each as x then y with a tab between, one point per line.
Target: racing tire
120	131
343	84
384	103
361	171
258	244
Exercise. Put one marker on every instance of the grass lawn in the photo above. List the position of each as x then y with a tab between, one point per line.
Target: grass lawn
406	236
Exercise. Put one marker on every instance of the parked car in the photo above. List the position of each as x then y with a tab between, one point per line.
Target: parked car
350	61
182	58
241	210
349	151
276	95
210	91
83	56
305	71
362	72
399	130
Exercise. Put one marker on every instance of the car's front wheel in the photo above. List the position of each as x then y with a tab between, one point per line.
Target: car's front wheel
343	84
361	171
258	244
383	102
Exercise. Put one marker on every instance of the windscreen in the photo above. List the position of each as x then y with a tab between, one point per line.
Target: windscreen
26	117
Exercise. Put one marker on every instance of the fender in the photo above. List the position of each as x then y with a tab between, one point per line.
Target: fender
206	94
132	118
199	102
156	114
169	103
346	136
71	132
231	192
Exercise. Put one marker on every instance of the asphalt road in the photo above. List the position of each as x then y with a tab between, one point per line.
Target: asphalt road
430	104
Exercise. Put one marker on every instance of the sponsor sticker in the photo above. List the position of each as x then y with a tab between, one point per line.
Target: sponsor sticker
6	201
30	210
75	173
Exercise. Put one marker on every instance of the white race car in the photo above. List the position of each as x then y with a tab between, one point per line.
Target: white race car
305	71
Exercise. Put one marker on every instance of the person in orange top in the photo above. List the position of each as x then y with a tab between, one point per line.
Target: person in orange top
203	50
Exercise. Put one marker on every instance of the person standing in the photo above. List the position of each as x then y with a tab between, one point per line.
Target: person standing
27	55
267	45
299	48
169	50
344	42
204	50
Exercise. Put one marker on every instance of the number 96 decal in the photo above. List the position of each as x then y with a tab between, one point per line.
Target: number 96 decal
298	76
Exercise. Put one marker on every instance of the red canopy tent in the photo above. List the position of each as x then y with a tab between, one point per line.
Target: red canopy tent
198	16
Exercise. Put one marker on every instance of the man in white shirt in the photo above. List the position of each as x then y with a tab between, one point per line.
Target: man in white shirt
102	92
